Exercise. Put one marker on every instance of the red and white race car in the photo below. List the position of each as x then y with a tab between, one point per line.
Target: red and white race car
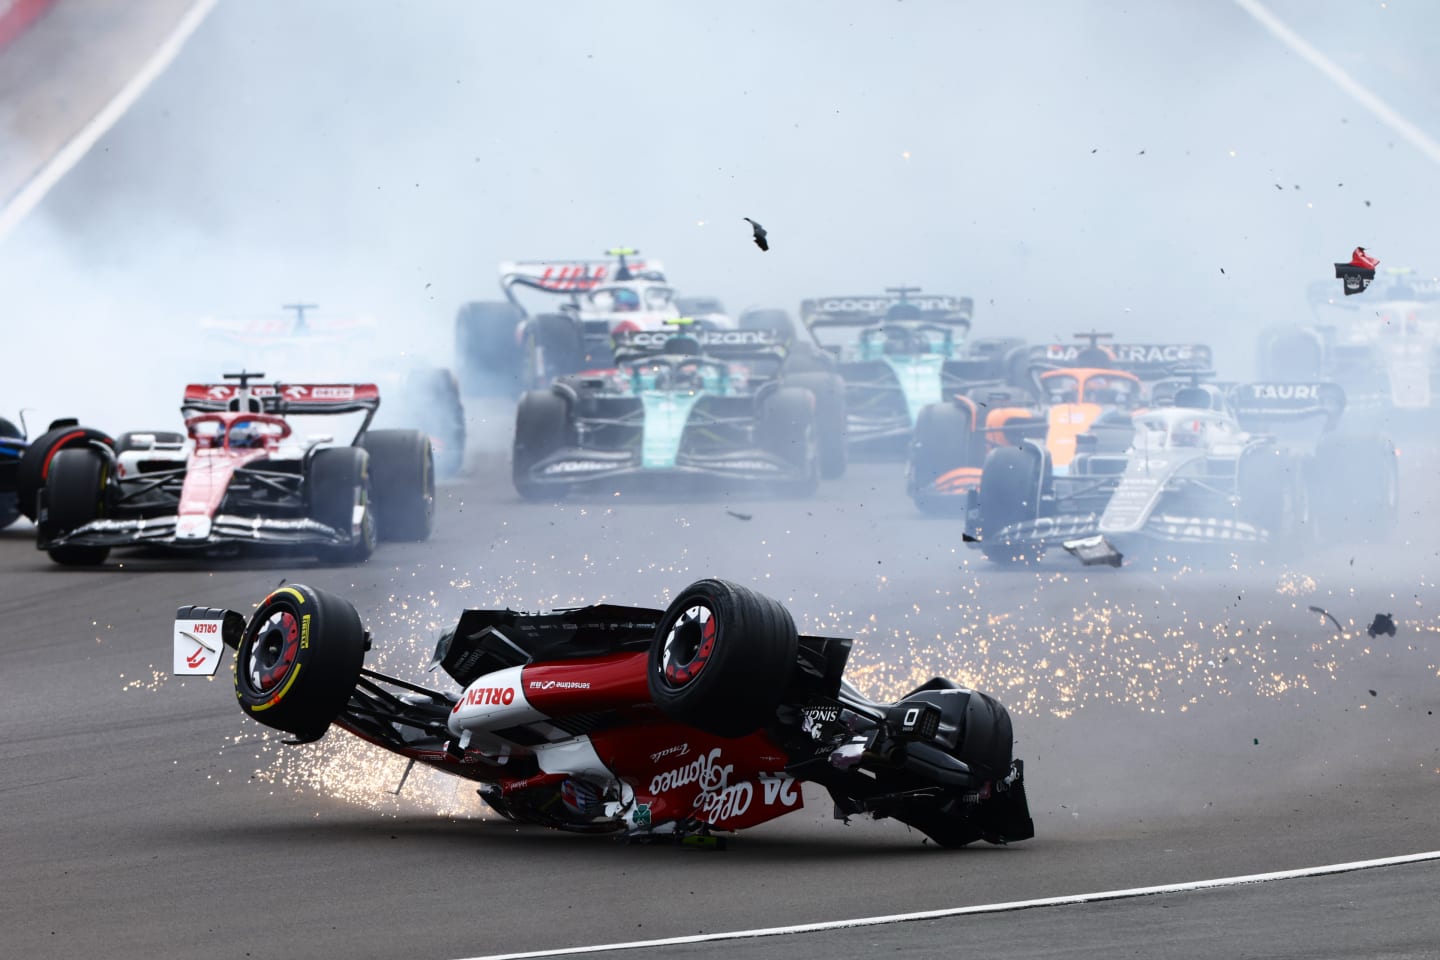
240	476
706	716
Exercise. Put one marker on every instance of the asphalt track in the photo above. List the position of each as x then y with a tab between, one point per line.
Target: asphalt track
1179	724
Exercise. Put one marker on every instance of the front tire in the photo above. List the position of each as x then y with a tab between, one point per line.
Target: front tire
1010	489
943	440
77	490
34	468
339	482
787	430
830	419
542	427
721	658
298	661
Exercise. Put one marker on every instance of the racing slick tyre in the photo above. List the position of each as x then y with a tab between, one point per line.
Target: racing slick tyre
34	466
402	483
721	658
434	394
9	460
1270	485
542	426
830	418
1011	483
77	487
298	660
1017	369
767	318
994	351
339	481
1355	487
554	347
788	430
943	440
1288	354
488	348
126	440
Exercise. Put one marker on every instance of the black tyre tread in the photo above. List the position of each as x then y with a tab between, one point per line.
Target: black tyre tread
787	430
830	419
75	491
327	668
488	354
749	670
333	475
542	426
31	472
402	483
943	440
561	346
1288	353
1008	484
8	429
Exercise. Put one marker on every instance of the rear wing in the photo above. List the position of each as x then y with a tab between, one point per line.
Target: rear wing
282	398
710	343
1148	361
863	310
575	276
260	331
1261	404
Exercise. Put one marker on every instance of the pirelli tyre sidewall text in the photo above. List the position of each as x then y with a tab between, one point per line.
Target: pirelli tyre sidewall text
722	658
298	661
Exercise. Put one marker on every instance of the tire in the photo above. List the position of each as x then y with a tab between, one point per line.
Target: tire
1270	485
34	466
402	483
944	439
768	318
126	440
1355	487
338	481
1010	486
487	349
434	395
8	429
298	661
722	658
830	419
554	346
77	488
788	430
542	426
9	508
1016	366
806	357
1288	354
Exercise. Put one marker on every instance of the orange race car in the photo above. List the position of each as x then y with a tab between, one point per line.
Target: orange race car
1104	387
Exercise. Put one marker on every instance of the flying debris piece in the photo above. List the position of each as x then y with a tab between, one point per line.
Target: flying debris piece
1326	613
1094	550
1222	269
1140	154
967	538
1383	623
740	516
1278	187
760	240
1357	274
1374	694
1367	203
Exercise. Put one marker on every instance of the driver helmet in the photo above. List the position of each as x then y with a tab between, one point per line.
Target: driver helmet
246	435
626	300
1185	433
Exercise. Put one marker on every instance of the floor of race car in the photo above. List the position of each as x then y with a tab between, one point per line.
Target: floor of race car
1177	726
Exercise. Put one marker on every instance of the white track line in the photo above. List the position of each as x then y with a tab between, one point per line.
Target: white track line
1078	898
35	189
1382	111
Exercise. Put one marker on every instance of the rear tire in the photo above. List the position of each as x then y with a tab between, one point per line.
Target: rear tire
77	489
1271	488
338	482
434	395
554	346
542	426
298	661
1010	489
1355	487
722	658
402	481
830	419
34	466
944	439
1288	354
787	430
487	348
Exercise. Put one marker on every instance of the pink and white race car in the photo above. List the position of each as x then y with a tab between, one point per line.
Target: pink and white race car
238	476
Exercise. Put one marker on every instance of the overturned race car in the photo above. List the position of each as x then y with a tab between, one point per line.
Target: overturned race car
671	724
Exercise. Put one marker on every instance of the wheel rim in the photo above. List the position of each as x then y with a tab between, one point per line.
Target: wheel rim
688	645
273	652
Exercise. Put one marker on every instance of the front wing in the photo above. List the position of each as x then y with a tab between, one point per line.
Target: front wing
579	466
1160	527
182	533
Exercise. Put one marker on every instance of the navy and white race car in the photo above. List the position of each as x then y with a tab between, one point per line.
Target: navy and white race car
1198	472
683	404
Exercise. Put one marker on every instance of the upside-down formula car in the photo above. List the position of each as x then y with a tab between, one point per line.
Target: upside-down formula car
239	476
1196	472
680	723
683	404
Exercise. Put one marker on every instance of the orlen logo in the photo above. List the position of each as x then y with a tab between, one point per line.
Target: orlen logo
207	627
333	393
489	696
